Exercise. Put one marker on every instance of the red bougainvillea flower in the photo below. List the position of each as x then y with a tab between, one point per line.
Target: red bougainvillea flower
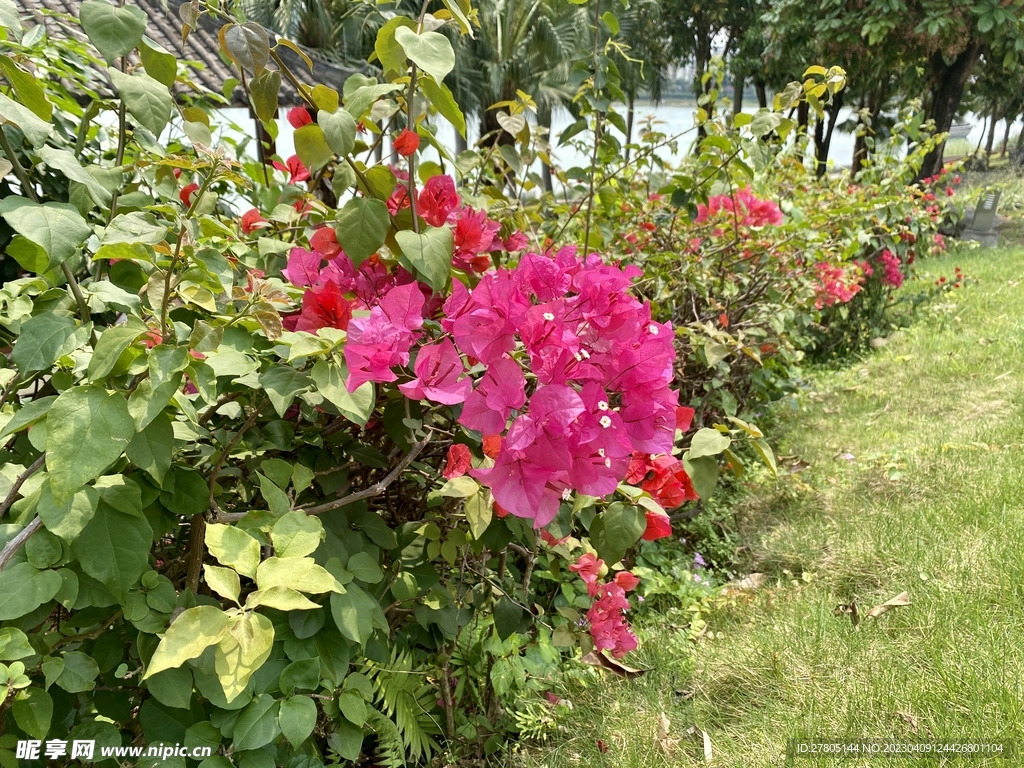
406	142
663	477
252	220
399	199
608	624
298	117
492	445
322	307
474	234
626	580
325	242
588	567
151	338
458	462
187	192
893	275
294	168
836	286
751	211
499	510
439	375
684	417
515	242
436	200
658	526
551	540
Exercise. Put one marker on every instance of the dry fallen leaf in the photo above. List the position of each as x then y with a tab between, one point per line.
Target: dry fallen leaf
850	609
902	599
747	583
596	659
707	745
909	719
662	740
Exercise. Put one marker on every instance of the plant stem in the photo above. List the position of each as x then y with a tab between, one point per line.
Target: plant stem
409	98
13	494
597	134
18	541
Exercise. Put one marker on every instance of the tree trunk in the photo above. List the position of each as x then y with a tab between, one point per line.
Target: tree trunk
948	81
1006	136
461	145
803	116
737	94
991	133
824	142
860	148
762	93
544	120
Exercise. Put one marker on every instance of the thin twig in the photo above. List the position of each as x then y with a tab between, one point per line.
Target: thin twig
18	541
32	469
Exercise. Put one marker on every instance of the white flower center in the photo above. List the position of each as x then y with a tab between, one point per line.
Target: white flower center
602	405
549	316
606	422
585	354
600	452
607	462
654	456
653	329
566	494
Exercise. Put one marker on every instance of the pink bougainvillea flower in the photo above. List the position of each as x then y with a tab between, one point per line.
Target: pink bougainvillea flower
439	375
406	142
298	117
658	526
458	462
893	274
588	567
436	200
501	391
186	193
627	580
515	242
294	168
303	267
525	483
252	220
322	307
325	242
380	342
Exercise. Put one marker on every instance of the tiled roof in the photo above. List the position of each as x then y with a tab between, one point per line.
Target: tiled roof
210	69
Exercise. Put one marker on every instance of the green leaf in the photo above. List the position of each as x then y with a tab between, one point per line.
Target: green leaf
304	674
362	98
391	54
87	430
282	383
14	644
247	45
299	573
223	581
57	228
43	340
296	534
339	129
113	548
69	519
165	361
151	449
233	547
329	376
79	673
428	254
33	710
109	348
23	589
65	162
195	630
355	613
478	513
281	598
134	227
444	102
27	88
29	414
189	494
277	500
264	91
766	453
611	22
365	568
708	442
148	100
35	129
172	687
242	651
160	65
507	615
311	146
353	707
703	472
297	718
460	487
617	529
147	402
114	31
361	226
257	724
430	51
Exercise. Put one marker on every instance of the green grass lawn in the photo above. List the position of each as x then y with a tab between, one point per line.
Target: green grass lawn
915	483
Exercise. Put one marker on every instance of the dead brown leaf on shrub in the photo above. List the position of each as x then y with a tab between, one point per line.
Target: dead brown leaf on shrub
901	600
596	659
662	736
